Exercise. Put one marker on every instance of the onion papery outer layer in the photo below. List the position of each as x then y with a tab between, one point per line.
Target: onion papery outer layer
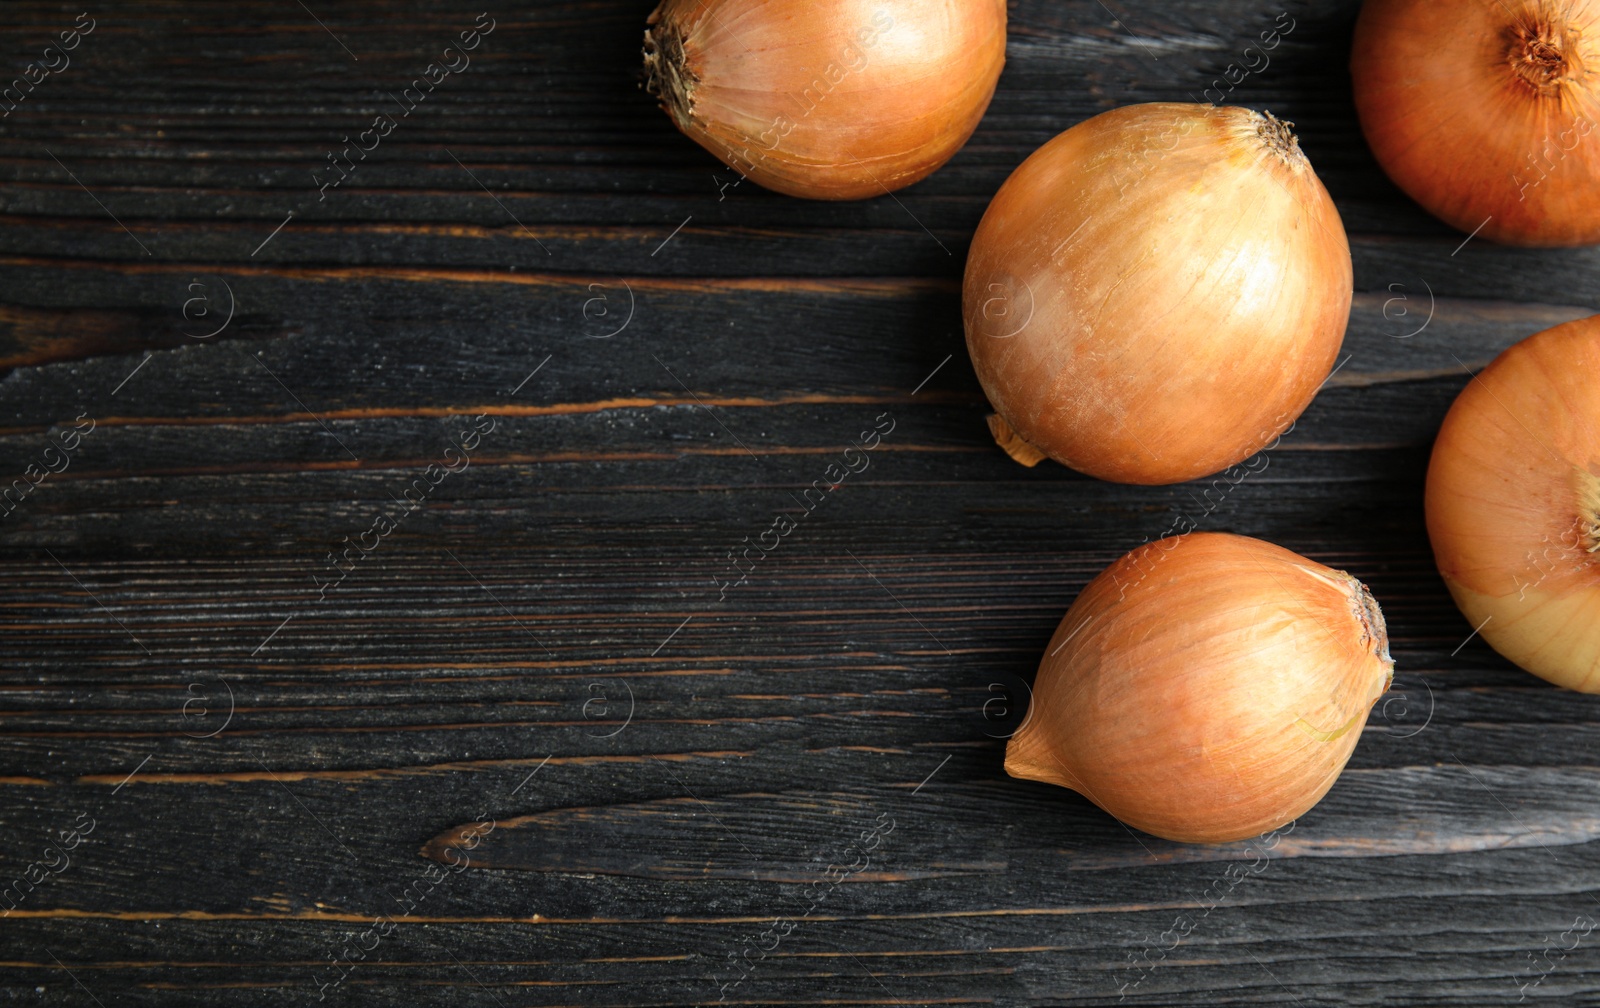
1206	687
1487	113
1158	292
1513	503
827	99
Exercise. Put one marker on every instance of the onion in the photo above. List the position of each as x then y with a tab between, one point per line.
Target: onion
1206	687
1485	112
1156	293
828	99
1513	503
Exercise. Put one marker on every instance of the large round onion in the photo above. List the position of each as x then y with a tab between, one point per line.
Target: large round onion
1206	687
1513	503
1157	292
828	99
1486	112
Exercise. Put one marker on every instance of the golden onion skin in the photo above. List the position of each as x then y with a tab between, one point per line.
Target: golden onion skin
1487	113
1206	687
1157	292
827	99
1513	504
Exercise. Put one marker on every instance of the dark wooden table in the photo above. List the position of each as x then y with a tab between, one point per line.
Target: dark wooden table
264	749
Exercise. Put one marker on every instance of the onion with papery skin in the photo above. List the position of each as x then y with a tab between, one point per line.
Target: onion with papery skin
1513	503
1156	293
1487	113
827	99
1206	687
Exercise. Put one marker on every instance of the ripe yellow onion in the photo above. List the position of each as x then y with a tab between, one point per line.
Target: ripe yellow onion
827	99
1156	293
1486	113
1206	687
1513	503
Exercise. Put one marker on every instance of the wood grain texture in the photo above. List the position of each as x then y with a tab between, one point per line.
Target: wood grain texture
276	750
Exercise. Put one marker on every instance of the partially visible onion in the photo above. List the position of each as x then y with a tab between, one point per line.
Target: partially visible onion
827	99
1206	687
1486	112
1157	292
1513	503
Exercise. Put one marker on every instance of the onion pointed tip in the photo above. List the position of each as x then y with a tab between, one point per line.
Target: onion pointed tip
1028	757
1014	444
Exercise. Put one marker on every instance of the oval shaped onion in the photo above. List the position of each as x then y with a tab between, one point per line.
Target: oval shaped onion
1486	113
1206	687
1157	292
1513	503
828	99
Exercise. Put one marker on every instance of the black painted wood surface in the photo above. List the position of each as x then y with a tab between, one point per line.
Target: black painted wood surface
521	732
